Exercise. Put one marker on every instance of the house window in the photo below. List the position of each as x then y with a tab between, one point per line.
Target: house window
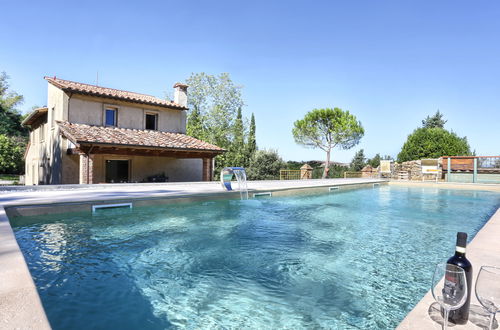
110	117
152	121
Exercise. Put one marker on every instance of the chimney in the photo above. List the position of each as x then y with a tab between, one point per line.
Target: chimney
180	94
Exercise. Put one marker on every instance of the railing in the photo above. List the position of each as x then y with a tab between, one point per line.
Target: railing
352	175
488	164
290	174
483	169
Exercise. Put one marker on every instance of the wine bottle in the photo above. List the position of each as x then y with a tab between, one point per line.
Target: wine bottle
461	315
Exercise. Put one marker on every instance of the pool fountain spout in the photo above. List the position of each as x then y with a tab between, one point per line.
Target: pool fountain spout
239	172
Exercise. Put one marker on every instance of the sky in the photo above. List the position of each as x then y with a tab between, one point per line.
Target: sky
390	63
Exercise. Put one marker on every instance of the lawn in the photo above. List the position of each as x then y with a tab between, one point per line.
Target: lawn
9	177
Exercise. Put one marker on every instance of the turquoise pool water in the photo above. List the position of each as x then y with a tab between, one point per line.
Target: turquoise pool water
354	259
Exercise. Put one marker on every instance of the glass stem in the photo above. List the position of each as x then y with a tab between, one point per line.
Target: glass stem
492	318
445	320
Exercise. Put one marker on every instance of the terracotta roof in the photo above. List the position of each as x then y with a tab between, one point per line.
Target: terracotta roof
81	133
34	115
86	89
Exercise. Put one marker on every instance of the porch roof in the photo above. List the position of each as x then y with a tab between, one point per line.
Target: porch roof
114	138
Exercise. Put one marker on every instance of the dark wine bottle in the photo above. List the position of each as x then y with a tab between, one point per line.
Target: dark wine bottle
461	315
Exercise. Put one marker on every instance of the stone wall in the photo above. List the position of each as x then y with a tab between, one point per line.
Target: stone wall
414	170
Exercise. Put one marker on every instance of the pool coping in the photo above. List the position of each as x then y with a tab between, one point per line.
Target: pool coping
20	304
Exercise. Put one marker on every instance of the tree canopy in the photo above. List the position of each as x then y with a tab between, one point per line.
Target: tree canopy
434	121
265	165
10	117
433	143
215	116
326	129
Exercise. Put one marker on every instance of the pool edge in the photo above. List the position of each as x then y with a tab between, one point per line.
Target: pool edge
480	252
20	304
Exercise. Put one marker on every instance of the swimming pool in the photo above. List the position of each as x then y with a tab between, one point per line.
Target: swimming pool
349	259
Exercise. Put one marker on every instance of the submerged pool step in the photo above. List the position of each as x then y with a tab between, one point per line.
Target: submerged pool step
95	208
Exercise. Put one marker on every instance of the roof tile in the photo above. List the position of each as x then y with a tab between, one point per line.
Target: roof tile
82	133
87	89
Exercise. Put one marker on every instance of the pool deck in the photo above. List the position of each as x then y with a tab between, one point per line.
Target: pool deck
20	305
483	250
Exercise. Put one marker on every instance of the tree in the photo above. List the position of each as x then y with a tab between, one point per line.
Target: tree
251	146
237	151
11	154
375	161
327	129
10	118
265	165
434	121
433	143
358	161
214	101
194	125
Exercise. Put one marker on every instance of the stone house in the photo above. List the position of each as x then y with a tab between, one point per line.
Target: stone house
92	134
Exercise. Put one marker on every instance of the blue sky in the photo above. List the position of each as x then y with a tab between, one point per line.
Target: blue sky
391	63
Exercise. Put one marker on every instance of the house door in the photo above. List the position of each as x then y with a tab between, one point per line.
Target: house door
117	171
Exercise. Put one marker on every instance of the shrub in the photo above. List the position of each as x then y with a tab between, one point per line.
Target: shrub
12	154
265	165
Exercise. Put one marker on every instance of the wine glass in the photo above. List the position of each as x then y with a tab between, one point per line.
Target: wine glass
449	288
488	290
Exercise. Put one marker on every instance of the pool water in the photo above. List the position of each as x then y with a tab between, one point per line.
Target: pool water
348	259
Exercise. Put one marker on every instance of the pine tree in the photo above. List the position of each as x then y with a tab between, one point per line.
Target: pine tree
358	161
434	121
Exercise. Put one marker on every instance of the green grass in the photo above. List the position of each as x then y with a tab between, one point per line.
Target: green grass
9	177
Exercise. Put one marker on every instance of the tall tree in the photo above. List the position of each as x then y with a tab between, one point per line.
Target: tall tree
237	149
358	161
251	146
434	121
215	101
327	129
10	118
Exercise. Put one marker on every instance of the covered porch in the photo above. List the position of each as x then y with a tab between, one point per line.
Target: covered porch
119	164
97	154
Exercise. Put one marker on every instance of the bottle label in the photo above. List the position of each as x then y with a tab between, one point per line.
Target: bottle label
460	249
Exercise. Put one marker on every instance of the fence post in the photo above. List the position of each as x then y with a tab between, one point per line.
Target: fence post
474	176
449	170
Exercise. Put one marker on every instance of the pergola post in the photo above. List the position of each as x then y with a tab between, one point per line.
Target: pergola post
207	169
86	168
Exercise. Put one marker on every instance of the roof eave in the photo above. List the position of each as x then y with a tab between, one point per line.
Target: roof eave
139	146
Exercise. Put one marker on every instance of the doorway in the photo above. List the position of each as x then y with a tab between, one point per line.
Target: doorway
117	171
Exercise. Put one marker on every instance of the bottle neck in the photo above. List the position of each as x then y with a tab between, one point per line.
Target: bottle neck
460	251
